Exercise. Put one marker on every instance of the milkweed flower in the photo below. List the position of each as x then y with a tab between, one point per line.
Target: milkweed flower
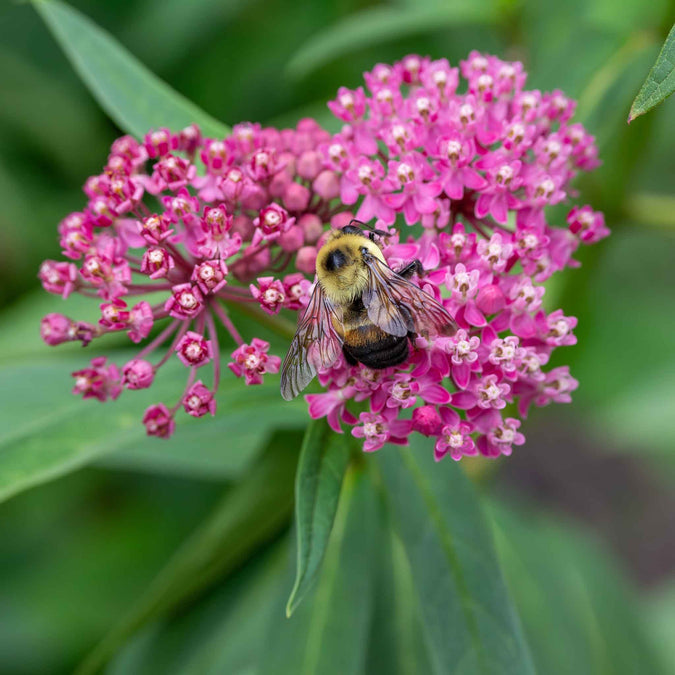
465	154
475	159
190	222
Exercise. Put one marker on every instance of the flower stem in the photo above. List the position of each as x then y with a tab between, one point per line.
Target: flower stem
221	313
213	334
159	340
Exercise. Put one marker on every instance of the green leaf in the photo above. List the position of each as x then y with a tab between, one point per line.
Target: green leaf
130	94
565	586
660	82
397	644
377	25
219	634
46	432
250	514
328	632
323	462
470	622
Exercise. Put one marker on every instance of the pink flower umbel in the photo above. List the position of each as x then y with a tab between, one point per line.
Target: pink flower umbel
206	225
477	170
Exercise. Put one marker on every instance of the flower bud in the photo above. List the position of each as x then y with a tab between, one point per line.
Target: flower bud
309	164
327	185
296	197
312	227
57	328
426	420
199	400
490	299
158	421
305	261
137	374
292	240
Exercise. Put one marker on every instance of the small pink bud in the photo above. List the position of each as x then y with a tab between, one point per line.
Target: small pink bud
312	227
305	261
292	240
309	164
327	185
98	380
279	183
210	276
189	139
185	302
198	400
137	374
158	421
244	226
270	293
490	299
58	277
296	197
339	220
193	350
56	328
156	262
426	420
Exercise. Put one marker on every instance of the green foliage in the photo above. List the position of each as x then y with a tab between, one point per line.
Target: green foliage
455	571
383	24
323	462
660	82
133	97
565	586
250	514
399	575
328	632
43	435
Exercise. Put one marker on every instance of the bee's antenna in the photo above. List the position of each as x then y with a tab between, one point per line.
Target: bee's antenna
357	224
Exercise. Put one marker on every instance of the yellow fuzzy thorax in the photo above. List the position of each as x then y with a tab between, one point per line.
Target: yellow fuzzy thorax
347	283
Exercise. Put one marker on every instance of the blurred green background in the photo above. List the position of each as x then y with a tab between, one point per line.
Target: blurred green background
586	507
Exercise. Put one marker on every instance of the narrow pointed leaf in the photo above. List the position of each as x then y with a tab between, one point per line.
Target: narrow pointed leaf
134	98
660	82
469	620
328	632
251	513
376	25
397	644
323	462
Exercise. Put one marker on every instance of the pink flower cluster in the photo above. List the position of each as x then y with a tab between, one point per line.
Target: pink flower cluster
475	160
472	162
191	221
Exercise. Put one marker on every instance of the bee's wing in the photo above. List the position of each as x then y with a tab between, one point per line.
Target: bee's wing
397	306
316	345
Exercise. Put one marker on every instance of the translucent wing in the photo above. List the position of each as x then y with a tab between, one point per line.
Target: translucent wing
397	306
316	345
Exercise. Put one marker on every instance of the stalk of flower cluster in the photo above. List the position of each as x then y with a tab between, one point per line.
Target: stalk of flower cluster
474	160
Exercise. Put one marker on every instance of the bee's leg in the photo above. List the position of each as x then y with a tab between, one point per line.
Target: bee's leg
348	357
414	267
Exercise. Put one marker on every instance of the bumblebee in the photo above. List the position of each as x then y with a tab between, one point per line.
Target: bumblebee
360	307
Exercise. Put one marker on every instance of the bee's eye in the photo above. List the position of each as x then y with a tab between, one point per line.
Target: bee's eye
334	260
364	251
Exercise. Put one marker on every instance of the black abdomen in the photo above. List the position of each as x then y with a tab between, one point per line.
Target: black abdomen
382	352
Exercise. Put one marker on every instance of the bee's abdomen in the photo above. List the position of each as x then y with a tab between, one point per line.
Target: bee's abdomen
374	348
